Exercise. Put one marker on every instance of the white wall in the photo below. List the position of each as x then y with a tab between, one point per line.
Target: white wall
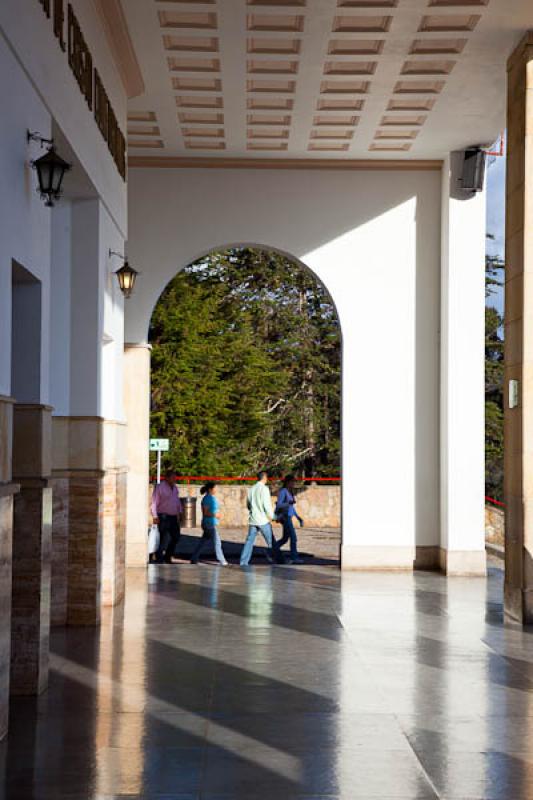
373	238
30	34
82	341
24	221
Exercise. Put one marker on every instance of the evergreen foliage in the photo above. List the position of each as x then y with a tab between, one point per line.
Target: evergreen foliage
494	366
246	368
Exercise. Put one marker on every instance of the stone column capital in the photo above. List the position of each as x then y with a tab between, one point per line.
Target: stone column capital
137	346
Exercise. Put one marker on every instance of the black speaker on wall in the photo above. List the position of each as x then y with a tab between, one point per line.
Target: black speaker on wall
473	175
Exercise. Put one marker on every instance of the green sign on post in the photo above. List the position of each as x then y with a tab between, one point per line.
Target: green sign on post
160	446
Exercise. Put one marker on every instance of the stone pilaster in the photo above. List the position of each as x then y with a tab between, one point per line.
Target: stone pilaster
84	593
7	491
30	627
60	530
114	537
518	471
31	565
6	539
90	476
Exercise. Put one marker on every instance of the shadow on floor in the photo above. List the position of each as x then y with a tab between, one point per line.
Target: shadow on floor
232	552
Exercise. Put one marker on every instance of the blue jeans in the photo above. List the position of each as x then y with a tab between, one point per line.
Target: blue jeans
210	532
289	533
253	530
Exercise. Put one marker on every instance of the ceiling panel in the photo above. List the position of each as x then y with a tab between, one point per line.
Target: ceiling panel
345	79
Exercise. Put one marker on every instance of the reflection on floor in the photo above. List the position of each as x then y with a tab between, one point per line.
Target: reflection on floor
283	683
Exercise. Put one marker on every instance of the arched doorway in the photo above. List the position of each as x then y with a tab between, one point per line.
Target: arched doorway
246	367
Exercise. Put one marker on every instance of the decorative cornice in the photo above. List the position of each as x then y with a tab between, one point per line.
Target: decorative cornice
116	30
162	162
33	407
520	51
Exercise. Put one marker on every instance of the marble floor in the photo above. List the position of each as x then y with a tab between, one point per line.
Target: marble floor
281	683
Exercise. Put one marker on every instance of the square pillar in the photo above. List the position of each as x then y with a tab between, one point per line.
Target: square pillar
137	410
518	469
89	441
31	565
462	548
84	593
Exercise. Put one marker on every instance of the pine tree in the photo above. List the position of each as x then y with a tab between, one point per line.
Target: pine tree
246	367
493	404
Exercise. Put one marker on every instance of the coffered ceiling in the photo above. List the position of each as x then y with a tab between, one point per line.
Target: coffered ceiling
315	79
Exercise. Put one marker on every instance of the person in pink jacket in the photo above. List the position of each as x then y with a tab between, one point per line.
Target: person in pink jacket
166	510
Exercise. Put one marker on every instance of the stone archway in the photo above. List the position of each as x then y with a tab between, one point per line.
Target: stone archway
374	240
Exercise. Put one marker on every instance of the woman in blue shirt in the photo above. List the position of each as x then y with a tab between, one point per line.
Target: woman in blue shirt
285	513
210	518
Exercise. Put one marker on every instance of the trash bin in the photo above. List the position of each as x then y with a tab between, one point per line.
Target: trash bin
188	515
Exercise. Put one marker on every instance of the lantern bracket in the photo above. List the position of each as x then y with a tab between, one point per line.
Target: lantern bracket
35	136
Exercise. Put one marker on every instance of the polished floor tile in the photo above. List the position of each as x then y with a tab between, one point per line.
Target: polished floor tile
286	683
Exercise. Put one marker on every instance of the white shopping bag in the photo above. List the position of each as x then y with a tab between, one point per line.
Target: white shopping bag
153	539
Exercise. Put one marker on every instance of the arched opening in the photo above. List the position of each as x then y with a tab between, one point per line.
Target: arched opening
246	375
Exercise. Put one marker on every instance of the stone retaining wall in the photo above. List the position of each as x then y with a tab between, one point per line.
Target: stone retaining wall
319	506
494	525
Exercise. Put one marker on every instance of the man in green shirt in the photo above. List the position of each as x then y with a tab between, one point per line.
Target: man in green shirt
259	518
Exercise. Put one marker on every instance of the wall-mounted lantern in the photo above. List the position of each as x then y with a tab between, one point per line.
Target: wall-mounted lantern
50	169
126	275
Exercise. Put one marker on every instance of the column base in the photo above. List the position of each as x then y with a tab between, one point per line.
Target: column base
6	540
467	563
406	559
96	574
137	555
31	576
518	605
364	558
89	473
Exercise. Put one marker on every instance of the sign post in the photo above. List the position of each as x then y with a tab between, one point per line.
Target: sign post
159	446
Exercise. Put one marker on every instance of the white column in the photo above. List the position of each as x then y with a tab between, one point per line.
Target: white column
86	310
60	305
462	545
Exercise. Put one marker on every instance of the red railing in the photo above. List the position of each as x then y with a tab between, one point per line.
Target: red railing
494	501
188	479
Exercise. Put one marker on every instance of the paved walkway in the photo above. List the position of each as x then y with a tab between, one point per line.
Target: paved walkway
317	546
283	683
